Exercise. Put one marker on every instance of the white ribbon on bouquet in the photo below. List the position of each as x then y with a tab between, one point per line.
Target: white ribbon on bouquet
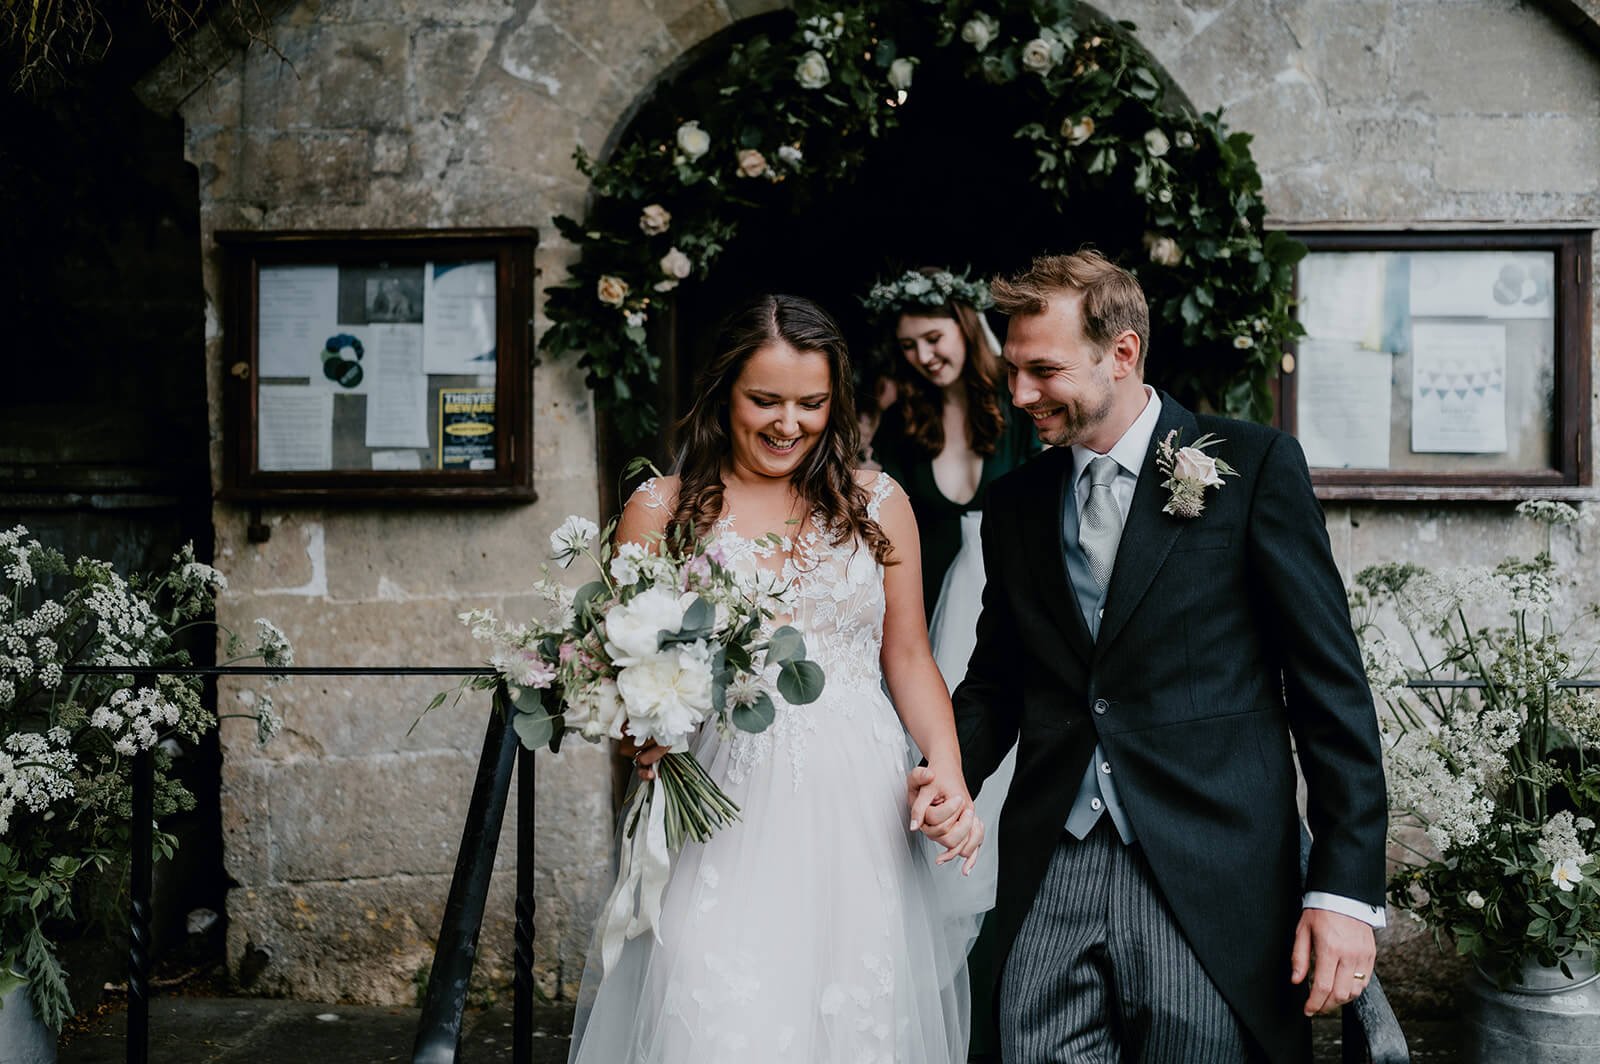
635	905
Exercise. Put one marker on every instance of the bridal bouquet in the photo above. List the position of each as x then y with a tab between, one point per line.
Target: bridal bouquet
665	641
1496	758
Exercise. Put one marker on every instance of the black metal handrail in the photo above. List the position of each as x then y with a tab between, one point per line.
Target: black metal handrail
439	1031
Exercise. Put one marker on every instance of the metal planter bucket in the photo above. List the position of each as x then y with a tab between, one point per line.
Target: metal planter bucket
1545	1018
24	1038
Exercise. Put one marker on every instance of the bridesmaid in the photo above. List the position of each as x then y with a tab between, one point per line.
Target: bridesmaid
950	435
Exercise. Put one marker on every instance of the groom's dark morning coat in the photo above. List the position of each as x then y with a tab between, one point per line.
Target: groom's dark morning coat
1224	638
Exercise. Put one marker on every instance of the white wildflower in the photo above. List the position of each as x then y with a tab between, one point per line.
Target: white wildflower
272	646
573	538
268	723
1566	875
1558	841
1386	670
1548	512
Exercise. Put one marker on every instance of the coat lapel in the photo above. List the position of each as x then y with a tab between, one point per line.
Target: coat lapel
1148	534
1043	541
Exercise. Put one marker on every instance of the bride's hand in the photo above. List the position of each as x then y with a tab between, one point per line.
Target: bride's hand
942	810
643	757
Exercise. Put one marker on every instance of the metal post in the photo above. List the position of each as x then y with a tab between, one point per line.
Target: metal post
439	1032
522	977
139	875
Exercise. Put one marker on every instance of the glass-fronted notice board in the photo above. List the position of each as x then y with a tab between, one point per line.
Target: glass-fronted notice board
379	364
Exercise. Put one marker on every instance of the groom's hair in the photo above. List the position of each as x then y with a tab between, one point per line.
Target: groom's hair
1113	302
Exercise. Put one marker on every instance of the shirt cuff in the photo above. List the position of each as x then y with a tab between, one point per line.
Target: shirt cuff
1372	915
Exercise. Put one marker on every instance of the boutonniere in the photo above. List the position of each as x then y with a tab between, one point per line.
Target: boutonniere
1190	471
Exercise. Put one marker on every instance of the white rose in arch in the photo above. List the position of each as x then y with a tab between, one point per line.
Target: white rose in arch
900	73
978	31
676	264
812	71
1164	251
1185	139
752	163
1040	55
1156	143
692	140
1077	132
611	290
654	220
791	156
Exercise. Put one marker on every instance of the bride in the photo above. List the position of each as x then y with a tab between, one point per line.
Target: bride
807	931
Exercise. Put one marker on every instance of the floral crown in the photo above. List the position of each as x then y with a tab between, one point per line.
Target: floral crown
914	289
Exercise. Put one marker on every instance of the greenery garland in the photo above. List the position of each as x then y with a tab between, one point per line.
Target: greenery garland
791	117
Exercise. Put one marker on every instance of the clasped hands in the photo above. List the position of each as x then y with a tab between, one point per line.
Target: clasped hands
942	810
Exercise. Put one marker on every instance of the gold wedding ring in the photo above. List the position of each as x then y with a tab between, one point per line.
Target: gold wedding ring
1358	975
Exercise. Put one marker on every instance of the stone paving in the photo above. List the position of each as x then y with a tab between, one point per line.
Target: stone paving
230	1030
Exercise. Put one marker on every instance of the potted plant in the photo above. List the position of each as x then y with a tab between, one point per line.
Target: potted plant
1495	756
68	741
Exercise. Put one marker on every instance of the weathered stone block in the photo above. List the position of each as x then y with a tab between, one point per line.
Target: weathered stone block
1241	51
1478	59
1289	123
378	815
692	21
1349	47
391	153
445	63
286	169
1535	153
330	77
622	35
246	818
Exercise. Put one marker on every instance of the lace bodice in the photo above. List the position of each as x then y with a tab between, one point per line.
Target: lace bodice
833	593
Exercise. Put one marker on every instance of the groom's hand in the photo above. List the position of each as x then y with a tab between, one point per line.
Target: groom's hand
1342	949
945	816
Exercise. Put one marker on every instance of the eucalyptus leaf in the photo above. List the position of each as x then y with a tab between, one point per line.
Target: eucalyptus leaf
534	729
800	682
786	644
757	716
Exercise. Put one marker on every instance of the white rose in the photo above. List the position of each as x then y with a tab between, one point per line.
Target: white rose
812	71
1185	139
1191	463
654	220
572	539
676	264
611	290
790	156
1243	343
1165	195
751	163
1040	55
900	72
1164	251
667	695
978	32
692	140
1156	143
635	318
1079	131
664	286
633	628
1475	900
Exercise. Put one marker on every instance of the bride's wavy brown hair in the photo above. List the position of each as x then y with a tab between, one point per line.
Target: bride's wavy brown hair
826	480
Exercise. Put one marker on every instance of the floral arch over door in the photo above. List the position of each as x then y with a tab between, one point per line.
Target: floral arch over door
796	107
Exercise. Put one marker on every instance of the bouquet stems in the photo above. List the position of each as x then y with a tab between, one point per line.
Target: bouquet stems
696	807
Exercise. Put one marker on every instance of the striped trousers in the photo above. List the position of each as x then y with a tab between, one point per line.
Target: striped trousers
1101	973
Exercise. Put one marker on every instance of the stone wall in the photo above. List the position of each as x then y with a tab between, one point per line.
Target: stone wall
342	834
415	113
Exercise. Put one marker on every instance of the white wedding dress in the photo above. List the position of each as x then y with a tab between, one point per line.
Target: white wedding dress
807	932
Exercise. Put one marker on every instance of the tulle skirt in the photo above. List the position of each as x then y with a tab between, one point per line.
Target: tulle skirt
954	632
808	932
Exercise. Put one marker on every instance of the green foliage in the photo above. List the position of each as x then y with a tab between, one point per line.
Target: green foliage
1097	115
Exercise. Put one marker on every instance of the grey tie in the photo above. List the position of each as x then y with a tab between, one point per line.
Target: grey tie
1101	524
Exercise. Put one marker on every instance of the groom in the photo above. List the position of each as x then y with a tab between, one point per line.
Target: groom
1154	668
